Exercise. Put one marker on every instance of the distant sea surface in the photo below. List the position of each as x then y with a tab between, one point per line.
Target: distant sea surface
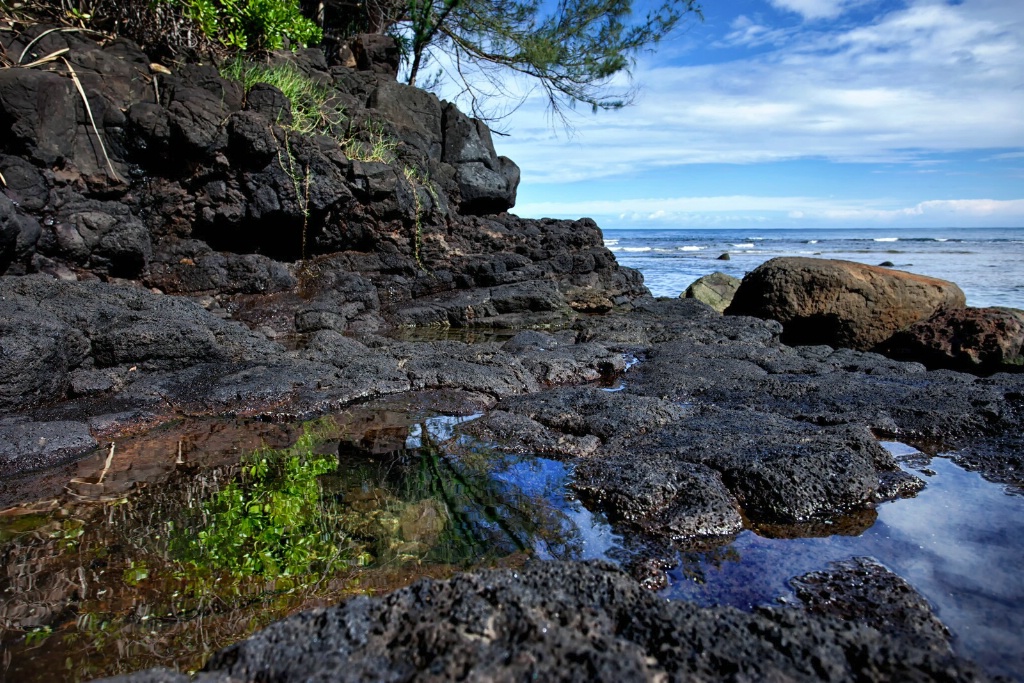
987	263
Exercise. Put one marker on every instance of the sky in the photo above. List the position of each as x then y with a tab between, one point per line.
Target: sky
798	113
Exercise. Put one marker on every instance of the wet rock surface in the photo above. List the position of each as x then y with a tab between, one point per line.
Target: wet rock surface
573	621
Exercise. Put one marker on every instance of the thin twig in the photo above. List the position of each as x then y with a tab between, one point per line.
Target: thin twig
106	465
88	110
3	180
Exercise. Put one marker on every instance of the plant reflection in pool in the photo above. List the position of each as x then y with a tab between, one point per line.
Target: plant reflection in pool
180	569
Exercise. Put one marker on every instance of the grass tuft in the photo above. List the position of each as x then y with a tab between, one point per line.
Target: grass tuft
313	110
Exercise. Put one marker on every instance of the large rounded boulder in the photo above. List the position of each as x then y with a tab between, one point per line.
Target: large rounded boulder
840	303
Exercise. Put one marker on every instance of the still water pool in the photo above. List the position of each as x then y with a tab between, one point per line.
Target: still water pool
178	543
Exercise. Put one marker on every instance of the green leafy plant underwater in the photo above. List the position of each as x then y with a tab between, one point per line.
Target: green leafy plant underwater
272	520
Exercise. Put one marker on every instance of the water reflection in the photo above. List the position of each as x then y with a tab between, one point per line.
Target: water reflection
118	574
957	542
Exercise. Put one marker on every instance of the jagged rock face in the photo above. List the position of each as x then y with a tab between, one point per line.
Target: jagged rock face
840	303
973	339
208	190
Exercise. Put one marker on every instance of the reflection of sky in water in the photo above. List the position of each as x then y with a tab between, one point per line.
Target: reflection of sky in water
547	478
958	542
440	428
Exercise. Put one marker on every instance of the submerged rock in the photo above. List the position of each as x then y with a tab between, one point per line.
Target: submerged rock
840	303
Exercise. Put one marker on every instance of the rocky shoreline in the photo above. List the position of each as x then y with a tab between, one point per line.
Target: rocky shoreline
211	261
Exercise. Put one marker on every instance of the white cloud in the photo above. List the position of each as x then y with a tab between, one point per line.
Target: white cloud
813	9
677	211
931	78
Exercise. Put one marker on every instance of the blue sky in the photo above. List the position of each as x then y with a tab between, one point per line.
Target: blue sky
799	113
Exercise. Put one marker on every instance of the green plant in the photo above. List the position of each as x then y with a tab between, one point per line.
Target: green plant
252	24
416	180
272	522
372	143
300	183
314	109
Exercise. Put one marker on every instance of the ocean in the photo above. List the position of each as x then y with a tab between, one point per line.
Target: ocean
987	263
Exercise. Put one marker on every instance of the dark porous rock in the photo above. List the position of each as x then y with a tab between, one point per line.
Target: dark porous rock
25	184
376	52
487	183
37	352
840	303
775	470
168	676
887	264
973	339
716	290
57	326
476	367
102	236
26	446
269	101
724	257
198	101
514	433
680	501
192	267
864	591
560	621
589	410
415	115
571	363
19	233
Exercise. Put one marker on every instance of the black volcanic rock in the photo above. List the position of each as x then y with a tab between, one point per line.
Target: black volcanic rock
581	622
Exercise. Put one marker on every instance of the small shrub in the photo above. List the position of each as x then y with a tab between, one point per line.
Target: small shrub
252	24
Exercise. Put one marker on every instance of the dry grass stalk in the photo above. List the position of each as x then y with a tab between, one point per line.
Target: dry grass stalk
52	57
54	30
88	110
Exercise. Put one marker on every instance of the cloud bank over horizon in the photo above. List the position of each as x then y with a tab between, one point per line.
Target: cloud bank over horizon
801	112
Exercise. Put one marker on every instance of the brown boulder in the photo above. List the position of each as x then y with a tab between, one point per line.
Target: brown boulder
977	339
840	303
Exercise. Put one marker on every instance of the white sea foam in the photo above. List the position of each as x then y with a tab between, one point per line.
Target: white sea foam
812	241
886	239
634	249
941	239
610	243
690	247
748	245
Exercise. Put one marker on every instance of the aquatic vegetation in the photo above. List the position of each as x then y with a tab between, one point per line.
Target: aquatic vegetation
271	520
174	571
